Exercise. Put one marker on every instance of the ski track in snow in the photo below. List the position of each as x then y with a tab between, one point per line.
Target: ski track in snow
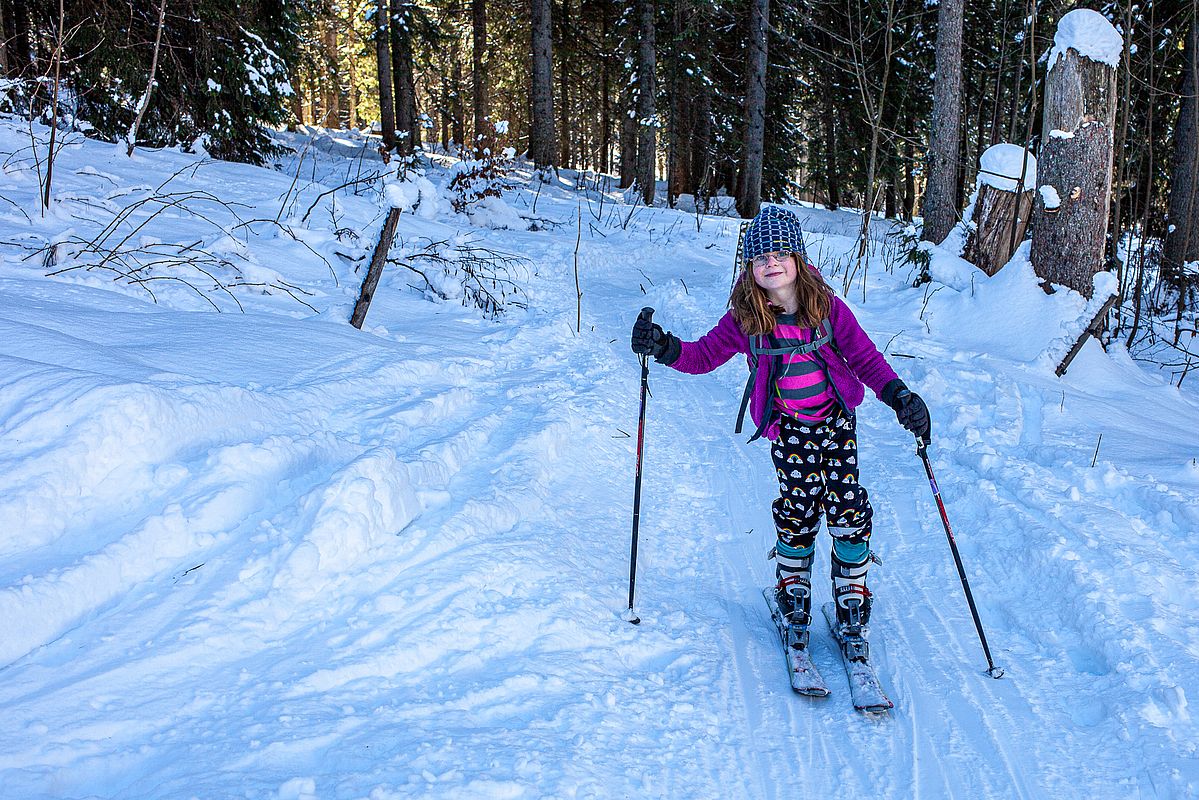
268	556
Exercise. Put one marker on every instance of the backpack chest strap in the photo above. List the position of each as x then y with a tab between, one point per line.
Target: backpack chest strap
824	335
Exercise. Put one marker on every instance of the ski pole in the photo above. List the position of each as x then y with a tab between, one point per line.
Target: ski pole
922	451
646	314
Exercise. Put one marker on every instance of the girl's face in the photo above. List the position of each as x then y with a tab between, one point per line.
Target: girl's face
775	271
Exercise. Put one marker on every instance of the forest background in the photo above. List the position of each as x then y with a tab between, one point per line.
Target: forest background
827	101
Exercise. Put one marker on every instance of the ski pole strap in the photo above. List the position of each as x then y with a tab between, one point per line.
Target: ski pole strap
822	335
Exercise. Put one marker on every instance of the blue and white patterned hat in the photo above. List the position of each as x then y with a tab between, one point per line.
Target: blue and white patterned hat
774	229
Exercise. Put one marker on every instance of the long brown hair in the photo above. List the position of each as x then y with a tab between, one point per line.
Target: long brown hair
756	315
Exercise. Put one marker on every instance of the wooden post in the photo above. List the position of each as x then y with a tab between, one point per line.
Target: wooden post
1069	234
375	271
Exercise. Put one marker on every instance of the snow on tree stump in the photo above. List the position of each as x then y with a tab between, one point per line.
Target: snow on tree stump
1069	223
1001	210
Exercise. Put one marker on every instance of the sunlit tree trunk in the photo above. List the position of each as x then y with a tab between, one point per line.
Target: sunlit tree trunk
387	118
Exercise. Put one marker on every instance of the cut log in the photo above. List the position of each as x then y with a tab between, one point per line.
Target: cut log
992	242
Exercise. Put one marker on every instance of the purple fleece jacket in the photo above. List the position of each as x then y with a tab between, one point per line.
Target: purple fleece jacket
858	362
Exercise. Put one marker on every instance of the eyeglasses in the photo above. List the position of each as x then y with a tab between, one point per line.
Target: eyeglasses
765	259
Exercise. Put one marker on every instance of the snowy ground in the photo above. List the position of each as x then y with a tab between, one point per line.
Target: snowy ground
265	555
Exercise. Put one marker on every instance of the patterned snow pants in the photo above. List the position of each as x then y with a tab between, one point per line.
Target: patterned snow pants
817	468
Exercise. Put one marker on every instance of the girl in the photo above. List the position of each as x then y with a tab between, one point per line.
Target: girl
808	359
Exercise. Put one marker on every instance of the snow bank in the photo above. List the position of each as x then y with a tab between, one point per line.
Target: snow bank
1009	315
494	212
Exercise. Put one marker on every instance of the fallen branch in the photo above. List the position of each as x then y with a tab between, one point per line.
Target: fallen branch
1094	328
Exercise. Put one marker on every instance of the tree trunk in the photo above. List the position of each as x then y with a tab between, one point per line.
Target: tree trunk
446	117
565	158
682	134
5	14
749	200
478	60
131	138
605	143
387	121
350	93
1182	240
940	194
542	145
682	122
1076	161
909	180
832	174
965	139
647	90
404	79
990	244
628	139
332	81
457	110
20	45
701	146
296	100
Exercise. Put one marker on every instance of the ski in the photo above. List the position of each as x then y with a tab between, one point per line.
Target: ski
805	678
864	686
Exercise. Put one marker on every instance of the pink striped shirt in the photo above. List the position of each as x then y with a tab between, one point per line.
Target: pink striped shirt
802	388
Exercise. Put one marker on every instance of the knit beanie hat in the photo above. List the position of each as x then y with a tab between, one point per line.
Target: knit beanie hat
773	230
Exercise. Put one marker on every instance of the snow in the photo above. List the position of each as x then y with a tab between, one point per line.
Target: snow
493	212
412	192
1002	165
1050	197
1091	35
257	553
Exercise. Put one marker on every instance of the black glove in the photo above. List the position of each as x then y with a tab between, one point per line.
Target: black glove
649	339
909	409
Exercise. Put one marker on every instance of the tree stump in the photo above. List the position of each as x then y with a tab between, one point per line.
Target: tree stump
1069	237
992	242
1068	243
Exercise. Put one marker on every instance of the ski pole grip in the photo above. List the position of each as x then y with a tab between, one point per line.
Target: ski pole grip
646	314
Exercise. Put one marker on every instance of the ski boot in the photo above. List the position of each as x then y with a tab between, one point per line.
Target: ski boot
793	592
794	596
853	603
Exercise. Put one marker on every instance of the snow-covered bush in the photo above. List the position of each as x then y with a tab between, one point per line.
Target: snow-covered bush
405	187
477	185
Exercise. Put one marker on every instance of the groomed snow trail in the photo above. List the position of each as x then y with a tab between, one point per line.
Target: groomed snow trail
268	556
